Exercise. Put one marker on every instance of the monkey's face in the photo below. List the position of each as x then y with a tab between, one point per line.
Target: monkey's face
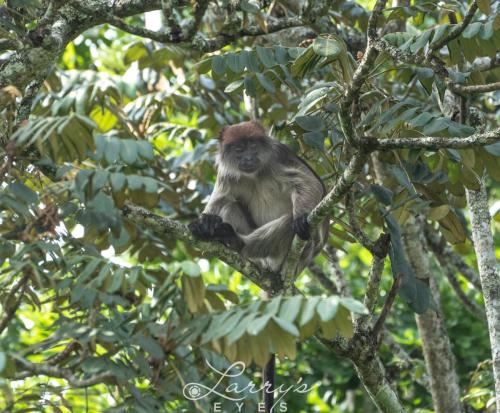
247	155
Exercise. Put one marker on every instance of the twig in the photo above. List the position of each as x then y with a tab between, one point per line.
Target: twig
360	74
445	254
323	279
456	31
64	354
379	247
338	277
389	300
10	310
372	291
470	305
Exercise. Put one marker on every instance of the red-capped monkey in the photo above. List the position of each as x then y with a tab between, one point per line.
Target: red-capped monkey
261	199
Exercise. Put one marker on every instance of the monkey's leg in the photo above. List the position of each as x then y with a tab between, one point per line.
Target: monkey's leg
270	240
240	219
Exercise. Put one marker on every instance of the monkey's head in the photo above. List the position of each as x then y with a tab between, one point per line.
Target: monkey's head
244	148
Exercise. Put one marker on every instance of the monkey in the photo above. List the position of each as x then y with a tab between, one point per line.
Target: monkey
261	199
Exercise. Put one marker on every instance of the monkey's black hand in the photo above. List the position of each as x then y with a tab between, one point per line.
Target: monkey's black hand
301	227
206	226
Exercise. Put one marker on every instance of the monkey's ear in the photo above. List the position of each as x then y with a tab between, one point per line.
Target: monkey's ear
221	134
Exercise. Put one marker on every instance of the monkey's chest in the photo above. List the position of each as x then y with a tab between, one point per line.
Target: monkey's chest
269	201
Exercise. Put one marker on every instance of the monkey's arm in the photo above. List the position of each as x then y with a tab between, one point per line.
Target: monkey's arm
307	191
222	219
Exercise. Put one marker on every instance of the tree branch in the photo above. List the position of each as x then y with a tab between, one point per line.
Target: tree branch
389	300
434	142
457	30
66	374
11	302
323	279
360	74
470	305
445	253
461	89
266	280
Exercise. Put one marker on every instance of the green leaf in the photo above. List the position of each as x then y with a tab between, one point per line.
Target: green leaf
494	148
310	123
234	86
128	151
234	62
250	6
145	150
258	324
328	47
266	84
420	41
117	181
134	182
23	193
134	51
353	305
382	193
484	6
290	308
266	56
439	33
315	140
218	65
397	38
191	268
309	309
472	29
250	86
116	281
327	308
421	120
286	326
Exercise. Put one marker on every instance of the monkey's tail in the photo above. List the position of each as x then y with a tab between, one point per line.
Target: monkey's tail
268	377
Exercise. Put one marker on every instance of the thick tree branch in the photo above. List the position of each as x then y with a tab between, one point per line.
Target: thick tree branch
269	282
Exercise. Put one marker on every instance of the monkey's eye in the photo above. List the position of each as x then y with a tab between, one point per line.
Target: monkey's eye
239	149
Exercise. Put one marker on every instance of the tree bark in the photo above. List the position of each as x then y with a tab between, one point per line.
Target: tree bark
439	359
488	273
371	372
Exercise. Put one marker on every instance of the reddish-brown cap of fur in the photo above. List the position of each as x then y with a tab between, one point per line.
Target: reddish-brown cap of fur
251	129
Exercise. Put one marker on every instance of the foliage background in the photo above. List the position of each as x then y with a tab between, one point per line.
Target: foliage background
123	118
